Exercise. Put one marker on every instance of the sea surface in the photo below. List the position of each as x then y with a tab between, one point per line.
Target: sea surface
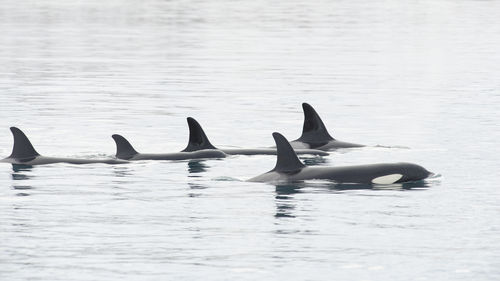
415	81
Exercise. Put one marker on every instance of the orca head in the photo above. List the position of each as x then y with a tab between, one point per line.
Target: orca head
413	172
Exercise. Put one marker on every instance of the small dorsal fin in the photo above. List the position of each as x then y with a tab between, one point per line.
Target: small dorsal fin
197	138
287	160
314	131
124	150
23	149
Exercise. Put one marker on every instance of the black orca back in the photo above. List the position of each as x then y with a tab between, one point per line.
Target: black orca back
23	149
314	131
197	138
124	150
287	160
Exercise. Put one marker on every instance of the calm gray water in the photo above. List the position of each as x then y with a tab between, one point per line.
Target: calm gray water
417	81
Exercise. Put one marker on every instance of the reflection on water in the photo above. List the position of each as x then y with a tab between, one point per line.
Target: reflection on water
196	166
194	187
122	175
21	167
22	194
325	186
285	200
417	185
356	186
122	171
289	189
197	186
285	193
21	173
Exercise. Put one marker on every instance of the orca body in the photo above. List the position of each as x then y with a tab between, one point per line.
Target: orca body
199	140
23	153
269	151
124	150
315	135
289	169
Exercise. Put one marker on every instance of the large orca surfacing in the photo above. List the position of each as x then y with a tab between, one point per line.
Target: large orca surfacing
199	140
289	168
315	135
23	153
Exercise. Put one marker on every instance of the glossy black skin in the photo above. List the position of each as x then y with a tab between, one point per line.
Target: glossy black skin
199	140
315	135
269	151
364	174
23	153
324	146
289	169
41	160
202	154
124	150
199	147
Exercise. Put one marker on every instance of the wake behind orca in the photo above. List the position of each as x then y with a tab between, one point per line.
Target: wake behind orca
289	169
315	135
23	153
199	140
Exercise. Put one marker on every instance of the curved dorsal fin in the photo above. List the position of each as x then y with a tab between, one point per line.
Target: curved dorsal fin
197	138
287	160
23	148
314	131
124	150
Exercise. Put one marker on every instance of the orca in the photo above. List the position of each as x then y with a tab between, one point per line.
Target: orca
290	169
195	149
315	135
199	140
23	153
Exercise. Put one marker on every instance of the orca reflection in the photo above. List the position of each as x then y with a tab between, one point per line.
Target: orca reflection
197	166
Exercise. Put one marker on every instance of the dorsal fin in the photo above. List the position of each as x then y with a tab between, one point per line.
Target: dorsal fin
287	160
124	150
23	149
314	131
197	138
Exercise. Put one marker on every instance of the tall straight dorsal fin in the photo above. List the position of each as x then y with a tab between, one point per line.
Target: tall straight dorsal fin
197	138
124	150
23	149
287	160
314	131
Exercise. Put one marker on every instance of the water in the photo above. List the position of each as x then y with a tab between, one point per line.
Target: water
420	77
